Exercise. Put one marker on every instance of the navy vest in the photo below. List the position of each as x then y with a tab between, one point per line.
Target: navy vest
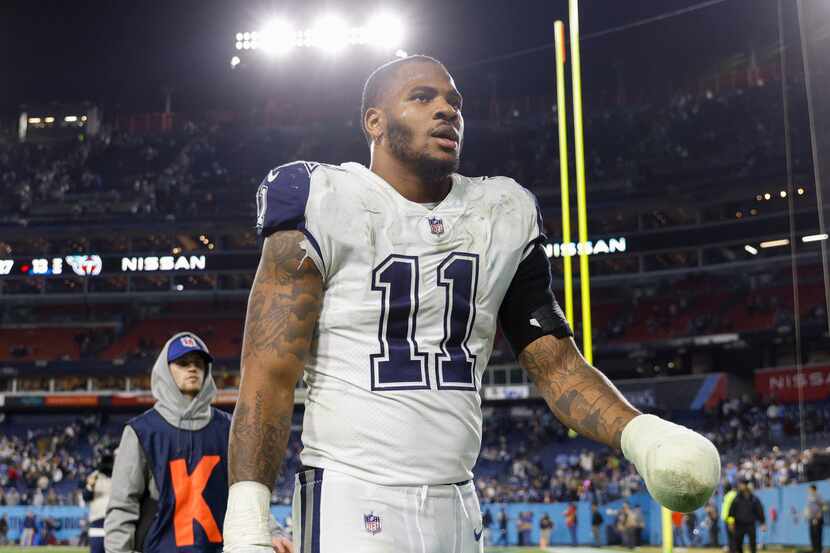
190	468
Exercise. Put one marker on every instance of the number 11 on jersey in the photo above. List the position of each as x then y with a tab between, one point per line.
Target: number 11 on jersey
400	365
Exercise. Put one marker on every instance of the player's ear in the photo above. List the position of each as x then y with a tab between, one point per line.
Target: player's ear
375	122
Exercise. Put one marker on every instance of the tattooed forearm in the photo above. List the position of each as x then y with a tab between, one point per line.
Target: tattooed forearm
264	437
577	393
283	309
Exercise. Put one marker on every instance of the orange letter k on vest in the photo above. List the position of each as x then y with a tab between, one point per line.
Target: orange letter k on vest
190	505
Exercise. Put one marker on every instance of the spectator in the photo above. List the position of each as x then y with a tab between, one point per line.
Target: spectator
486	523
679	535
712	519
503	521
524	527
814	514
571	522
630	527
27	536
691	529
639	526
747	511
97	493
596	525
12	497
4	529
728	521
545	529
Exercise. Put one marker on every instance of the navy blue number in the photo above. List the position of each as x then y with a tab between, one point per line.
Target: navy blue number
456	365
399	365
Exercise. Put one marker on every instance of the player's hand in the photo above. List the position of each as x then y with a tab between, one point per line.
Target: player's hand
763	528
282	545
680	467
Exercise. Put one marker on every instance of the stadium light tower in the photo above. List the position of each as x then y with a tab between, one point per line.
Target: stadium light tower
329	33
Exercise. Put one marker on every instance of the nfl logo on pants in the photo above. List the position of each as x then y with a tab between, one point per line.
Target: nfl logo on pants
372	523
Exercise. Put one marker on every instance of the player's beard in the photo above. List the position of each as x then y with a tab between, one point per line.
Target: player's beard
425	166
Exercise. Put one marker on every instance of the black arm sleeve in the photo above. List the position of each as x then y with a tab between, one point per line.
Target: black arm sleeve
529	310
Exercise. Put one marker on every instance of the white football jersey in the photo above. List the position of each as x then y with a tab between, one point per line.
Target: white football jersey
409	314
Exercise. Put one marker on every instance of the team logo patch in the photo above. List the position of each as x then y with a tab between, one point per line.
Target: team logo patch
188	342
436	225
83	265
372	523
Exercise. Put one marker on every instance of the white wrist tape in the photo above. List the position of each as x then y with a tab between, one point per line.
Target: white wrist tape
247	518
680	467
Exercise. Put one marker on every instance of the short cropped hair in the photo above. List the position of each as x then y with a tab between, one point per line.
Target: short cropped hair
378	82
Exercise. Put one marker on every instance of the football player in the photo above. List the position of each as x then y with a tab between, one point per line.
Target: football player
384	287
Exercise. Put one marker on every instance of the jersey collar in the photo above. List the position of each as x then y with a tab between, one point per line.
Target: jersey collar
451	201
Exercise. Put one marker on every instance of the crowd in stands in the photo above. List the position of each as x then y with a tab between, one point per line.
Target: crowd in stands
201	169
527	455
45	464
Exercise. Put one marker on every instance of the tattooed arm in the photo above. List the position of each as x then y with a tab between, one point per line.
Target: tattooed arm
578	394
283	309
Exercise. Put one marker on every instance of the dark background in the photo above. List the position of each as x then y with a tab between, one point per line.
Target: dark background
123	54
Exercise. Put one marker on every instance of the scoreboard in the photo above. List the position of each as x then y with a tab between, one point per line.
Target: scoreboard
92	265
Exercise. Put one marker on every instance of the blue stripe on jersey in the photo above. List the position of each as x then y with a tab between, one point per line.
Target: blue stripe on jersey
302	520
315	515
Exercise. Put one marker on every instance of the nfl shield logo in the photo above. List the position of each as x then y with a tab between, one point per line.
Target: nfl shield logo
372	523
436	225
188	342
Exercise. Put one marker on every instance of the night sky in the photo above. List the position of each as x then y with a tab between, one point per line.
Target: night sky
121	54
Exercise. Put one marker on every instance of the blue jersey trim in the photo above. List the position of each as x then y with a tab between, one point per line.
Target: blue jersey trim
282	197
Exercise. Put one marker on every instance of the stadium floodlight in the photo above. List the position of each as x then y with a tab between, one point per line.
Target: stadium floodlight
70	118
235	61
775	243
800	191
49	119
815	237
751	250
277	37
330	33
385	31
34	120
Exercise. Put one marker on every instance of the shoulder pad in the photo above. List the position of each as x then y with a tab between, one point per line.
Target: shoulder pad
282	196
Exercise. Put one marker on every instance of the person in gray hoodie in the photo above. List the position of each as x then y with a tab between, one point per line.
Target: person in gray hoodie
170	476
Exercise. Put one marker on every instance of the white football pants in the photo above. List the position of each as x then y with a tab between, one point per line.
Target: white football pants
336	513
